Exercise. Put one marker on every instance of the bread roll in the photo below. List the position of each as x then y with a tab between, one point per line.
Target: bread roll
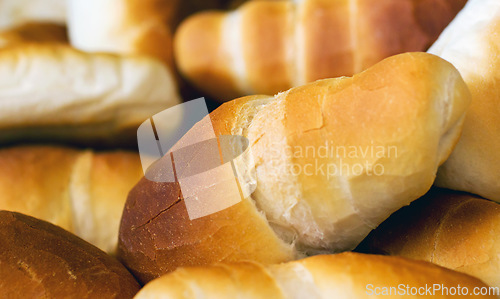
472	44
123	26
454	230
40	260
17	12
389	128
81	191
34	32
269	46
346	275
53	91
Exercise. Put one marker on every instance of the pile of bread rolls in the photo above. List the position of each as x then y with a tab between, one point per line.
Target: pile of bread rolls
351	150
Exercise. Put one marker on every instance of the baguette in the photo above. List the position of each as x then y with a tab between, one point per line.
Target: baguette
265	47
80	191
346	275
410	105
41	260
455	230
52	91
472	44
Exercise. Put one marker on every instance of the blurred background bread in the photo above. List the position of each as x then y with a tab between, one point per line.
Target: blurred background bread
347	275
472	44
79	190
455	230
294	213
265	47
53	92
34	32
41	260
14	13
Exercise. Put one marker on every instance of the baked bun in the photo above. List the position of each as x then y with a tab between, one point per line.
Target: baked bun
265	47
347	275
79	190
455	230
54	92
41	260
404	114
472	44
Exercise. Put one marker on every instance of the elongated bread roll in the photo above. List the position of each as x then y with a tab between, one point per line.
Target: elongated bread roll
17	12
454	230
346	275
332	160
41	260
269	46
472	44
54	91
81	191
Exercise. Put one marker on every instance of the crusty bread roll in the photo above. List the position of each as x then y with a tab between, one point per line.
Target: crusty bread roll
270	46
17	12
472	44
81	191
403	115
54	91
34	32
123	26
41	260
346	275
454	230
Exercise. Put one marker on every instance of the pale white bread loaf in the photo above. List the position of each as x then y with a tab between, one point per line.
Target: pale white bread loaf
265	47
452	229
17	12
81	191
347	275
402	116
472	44
56	91
123	26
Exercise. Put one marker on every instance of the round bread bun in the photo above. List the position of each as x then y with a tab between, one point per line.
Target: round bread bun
41	260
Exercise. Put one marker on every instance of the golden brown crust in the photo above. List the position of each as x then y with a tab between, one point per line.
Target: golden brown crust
327	41
414	102
156	38
158	209
304	41
269	57
40	260
451	229
34	32
36	180
347	275
81	191
199	52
